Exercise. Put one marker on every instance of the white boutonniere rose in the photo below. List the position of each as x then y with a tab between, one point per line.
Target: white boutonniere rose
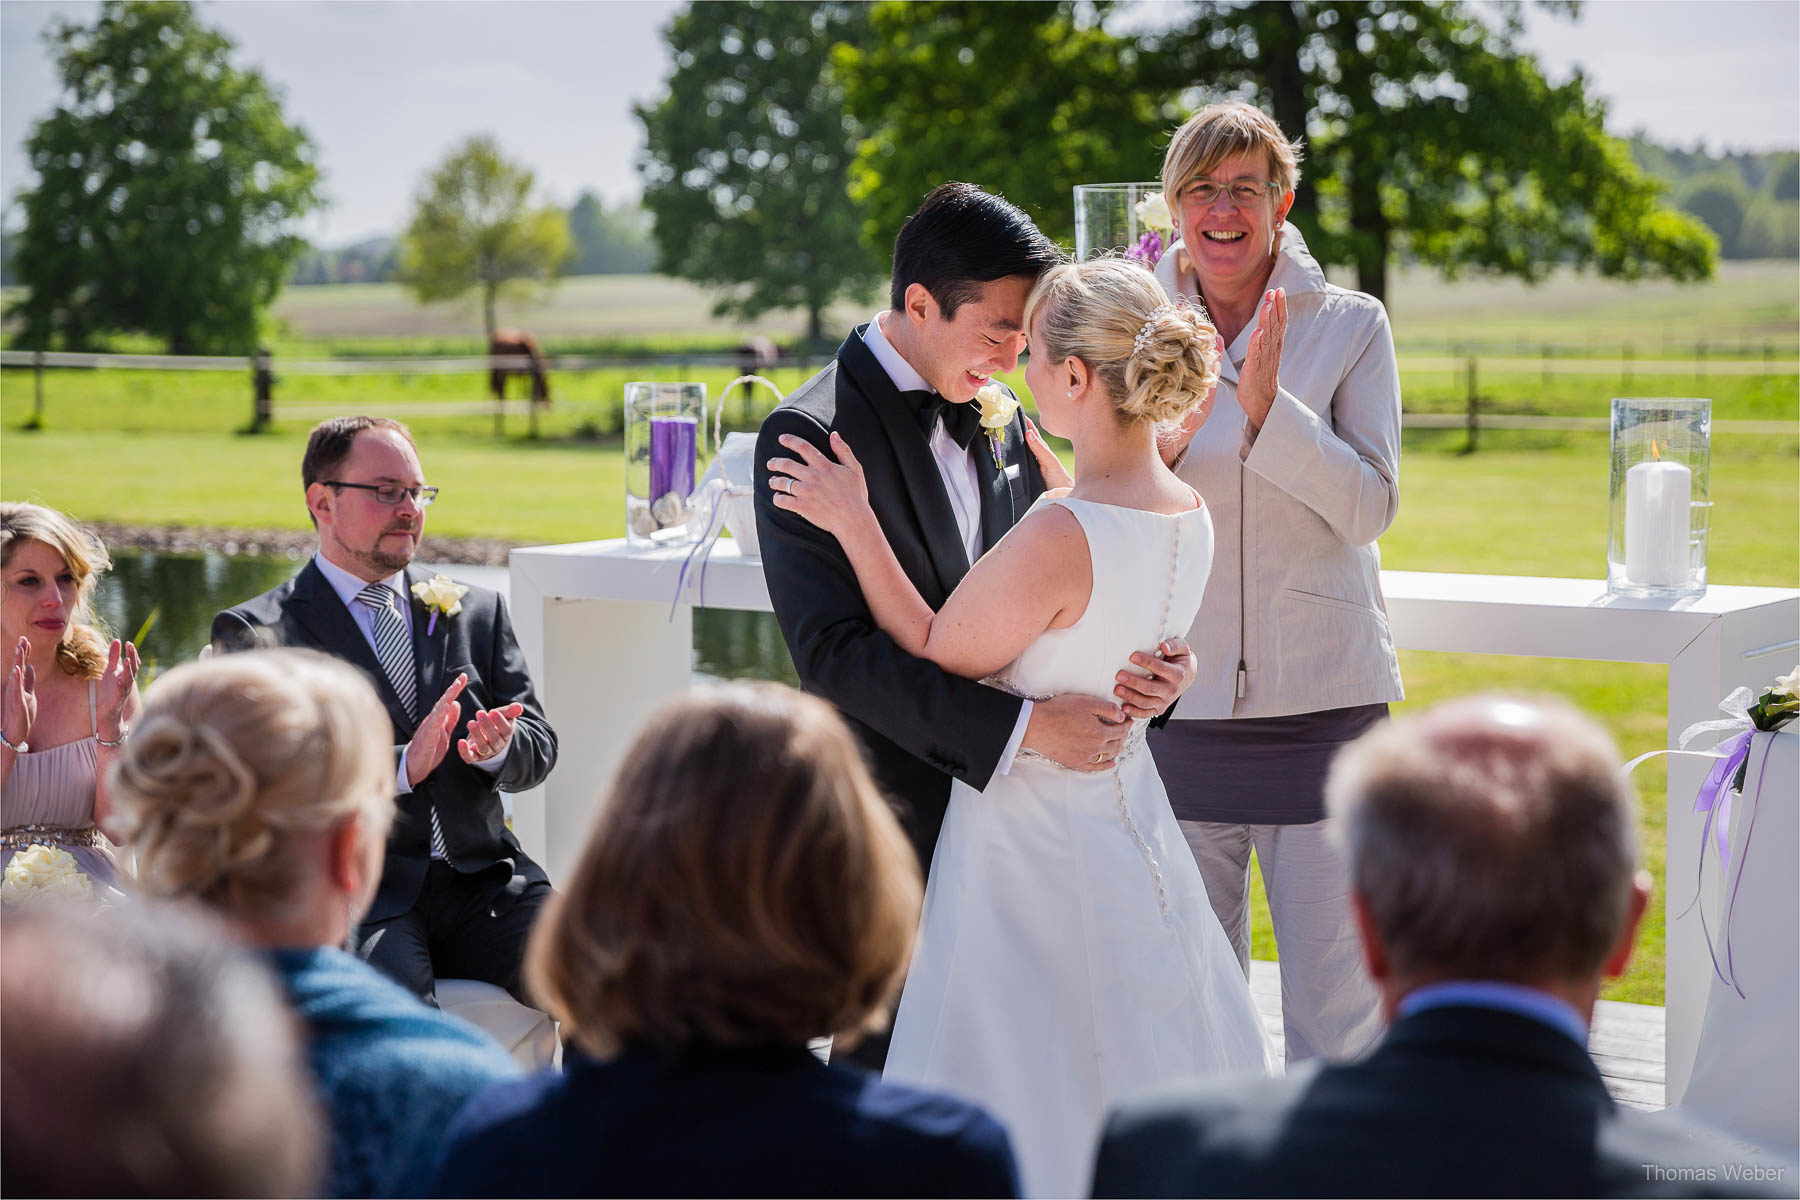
997	408
40	873
441	595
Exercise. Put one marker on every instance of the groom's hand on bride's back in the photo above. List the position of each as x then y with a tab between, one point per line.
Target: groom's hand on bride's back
1083	733
1153	682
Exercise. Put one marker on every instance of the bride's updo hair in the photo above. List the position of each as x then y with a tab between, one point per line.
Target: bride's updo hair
236	762
1157	358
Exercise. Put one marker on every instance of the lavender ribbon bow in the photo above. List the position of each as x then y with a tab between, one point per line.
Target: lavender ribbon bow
1714	799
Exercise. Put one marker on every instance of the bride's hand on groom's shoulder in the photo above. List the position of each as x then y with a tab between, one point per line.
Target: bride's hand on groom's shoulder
1051	467
1156	681
830	493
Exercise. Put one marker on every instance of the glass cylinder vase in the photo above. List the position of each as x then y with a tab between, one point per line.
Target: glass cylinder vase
664	423
1122	218
1658	512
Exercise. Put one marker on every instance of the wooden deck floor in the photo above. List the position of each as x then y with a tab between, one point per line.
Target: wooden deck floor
1626	1040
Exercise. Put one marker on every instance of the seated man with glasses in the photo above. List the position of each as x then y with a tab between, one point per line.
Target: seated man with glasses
458	895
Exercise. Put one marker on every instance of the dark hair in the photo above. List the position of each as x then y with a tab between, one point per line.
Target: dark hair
330	444
962	237
148	1054
744	884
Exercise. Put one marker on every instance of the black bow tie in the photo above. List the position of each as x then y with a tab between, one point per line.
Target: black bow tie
961	421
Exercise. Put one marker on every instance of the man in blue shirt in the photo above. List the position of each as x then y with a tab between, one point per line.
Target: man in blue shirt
1495	881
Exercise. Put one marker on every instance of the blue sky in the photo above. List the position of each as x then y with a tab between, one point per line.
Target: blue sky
385	88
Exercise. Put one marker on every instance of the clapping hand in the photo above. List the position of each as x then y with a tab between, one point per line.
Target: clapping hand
831	494
20	700
117	685
489	731
432	738
1257	382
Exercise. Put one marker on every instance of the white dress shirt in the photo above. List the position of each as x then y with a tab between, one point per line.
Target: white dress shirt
349	587
956	466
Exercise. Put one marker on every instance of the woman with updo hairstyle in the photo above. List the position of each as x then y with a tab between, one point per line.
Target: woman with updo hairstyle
1300	466
1068	955
70	697
261	785
745	890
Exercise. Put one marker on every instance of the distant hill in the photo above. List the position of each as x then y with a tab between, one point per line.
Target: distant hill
371	261
1751	201
608	241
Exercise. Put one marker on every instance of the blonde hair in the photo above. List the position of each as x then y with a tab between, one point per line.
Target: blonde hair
83	649
238	756
1219	131
744	884
1157	358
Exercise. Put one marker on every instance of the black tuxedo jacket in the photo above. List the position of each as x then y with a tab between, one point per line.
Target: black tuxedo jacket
307	612
1453	1102
919	725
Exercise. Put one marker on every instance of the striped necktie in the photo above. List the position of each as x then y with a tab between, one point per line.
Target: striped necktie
394	648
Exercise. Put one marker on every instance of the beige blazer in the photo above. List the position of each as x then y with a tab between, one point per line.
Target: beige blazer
1293	620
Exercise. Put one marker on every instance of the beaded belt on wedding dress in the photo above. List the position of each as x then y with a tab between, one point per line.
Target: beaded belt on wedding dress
19	837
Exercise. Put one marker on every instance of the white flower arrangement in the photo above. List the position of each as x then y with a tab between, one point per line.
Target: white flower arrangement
1153	213
1779	703
41	874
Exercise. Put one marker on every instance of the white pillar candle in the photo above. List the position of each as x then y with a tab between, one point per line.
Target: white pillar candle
1657	519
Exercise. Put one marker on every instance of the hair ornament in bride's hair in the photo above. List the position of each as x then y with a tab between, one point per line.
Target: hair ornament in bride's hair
1167	306
1149	326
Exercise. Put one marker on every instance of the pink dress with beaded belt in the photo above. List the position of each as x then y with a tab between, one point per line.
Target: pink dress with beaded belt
49	799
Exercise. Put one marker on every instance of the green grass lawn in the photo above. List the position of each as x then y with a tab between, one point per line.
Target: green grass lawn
159	449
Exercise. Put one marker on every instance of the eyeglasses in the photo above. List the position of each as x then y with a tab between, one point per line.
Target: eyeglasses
1242	192
389	493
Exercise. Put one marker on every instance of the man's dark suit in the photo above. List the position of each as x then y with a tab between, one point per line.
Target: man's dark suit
919	725
1454	1101
307	612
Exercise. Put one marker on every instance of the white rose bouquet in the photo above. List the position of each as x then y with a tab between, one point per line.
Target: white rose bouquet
41	874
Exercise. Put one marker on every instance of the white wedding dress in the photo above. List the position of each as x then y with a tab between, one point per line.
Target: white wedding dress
1067	955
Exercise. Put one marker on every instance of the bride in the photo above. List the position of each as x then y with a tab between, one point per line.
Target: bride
1067	953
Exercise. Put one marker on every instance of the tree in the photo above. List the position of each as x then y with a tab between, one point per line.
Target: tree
1426	129
746	161
1024	100
1720	200
475	227
610	241
168	186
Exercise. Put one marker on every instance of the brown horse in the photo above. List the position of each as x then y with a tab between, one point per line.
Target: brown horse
516	343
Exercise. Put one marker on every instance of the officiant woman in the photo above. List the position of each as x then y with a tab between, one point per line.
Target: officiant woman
1299	463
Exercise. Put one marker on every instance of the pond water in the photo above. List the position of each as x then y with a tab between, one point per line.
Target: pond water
186	591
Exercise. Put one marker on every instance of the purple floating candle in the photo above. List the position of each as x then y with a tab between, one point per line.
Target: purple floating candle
672	456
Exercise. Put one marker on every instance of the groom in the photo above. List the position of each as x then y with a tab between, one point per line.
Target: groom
900	392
